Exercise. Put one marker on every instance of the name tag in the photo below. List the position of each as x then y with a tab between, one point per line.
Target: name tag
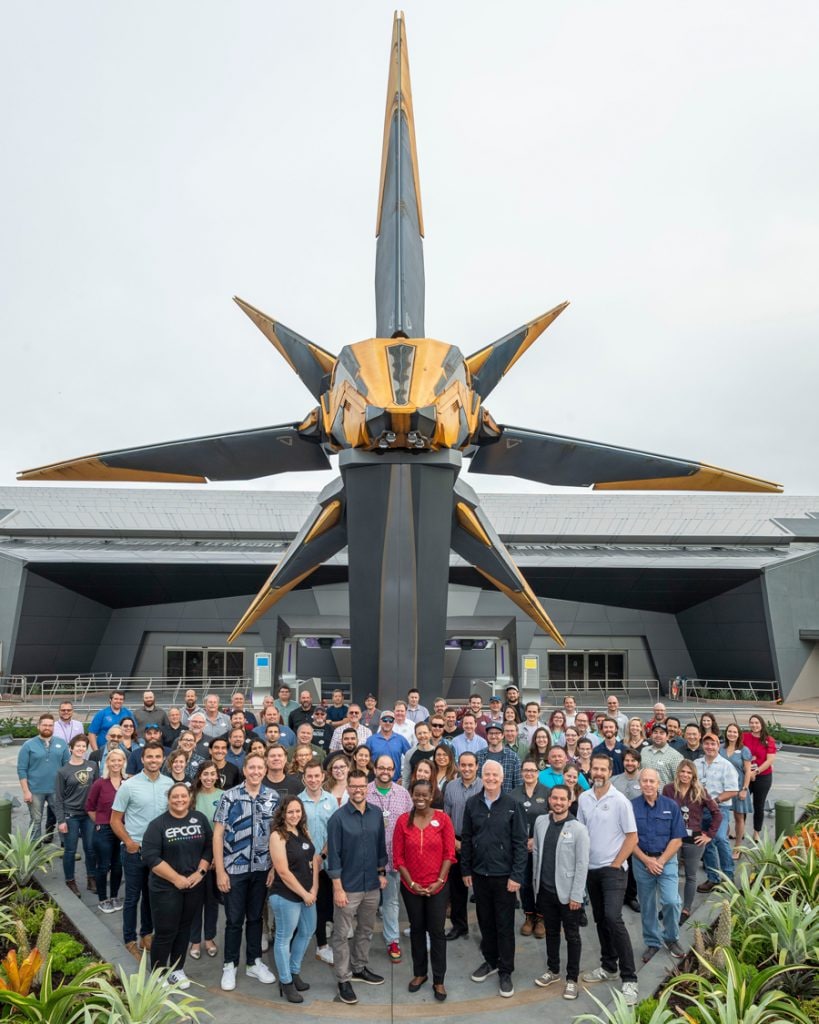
435	823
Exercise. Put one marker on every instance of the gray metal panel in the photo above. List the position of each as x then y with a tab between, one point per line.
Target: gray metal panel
399	258
570	462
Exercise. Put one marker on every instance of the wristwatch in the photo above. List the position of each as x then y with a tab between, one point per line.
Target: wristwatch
203	871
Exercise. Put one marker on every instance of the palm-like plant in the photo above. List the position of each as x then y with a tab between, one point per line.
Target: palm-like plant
782	931
23	855
739	994
622	1013
148	997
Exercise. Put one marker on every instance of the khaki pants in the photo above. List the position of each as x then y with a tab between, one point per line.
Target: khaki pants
352	954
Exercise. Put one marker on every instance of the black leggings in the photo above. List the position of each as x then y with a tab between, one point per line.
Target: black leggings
760	787
172	911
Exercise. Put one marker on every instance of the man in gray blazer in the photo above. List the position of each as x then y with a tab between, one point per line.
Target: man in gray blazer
560	864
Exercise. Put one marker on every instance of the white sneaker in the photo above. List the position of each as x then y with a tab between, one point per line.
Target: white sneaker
325	954
631	993
228	982
179	978
261	972
599	974
265	942
407	932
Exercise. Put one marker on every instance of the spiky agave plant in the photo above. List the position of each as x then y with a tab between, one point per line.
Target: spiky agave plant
23	855
149	997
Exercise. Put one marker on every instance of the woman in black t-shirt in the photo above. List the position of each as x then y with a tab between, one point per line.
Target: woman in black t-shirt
178	848
293	894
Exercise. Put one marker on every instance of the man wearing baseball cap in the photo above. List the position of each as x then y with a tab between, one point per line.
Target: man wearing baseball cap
322	729
506	757
151	732
513	701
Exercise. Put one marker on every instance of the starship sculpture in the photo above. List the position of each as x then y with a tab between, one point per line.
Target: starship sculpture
401	411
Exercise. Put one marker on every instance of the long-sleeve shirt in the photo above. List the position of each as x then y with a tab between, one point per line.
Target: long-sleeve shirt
462	744
38	763
508	760
692	812
356	847
456	795
423	851
392	804
73	786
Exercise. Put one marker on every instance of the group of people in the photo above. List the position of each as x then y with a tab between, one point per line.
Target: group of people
314	814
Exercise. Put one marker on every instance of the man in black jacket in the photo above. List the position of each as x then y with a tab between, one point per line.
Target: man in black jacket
493	862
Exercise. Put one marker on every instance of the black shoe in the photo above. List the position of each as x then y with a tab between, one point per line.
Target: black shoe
346	993
368	977
707	886
299	983
634	905
456	933
484	972
472	898
649	953
288	989
505	986
583	920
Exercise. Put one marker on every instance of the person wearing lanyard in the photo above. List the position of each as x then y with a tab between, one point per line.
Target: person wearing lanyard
719	777
392	801
66	727
423	852
142	798
177	848
533	797
660	832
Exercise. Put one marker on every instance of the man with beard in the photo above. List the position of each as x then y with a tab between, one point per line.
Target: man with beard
303	713
149	712
229	773
190	707
38	762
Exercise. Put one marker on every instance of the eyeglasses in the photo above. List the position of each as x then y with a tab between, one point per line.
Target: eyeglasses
528	769
353	714
340	768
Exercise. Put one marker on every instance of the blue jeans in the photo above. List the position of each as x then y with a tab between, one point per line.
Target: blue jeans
389	907
80	826
656	893
291	918
718	855
136	895
35	811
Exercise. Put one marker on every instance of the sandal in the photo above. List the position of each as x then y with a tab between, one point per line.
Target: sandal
195	952
211	949
737	853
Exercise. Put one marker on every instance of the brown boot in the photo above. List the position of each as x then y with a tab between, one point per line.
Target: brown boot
540	928
92	884
146	941
72	885
134	950
528	925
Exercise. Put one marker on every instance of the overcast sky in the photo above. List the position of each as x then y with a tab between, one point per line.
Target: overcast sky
655	163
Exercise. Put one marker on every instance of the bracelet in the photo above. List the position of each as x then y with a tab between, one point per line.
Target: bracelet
442	880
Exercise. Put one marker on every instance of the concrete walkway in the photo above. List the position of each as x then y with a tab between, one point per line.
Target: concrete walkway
797	776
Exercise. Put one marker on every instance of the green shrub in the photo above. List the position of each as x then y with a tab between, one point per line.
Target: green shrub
28	905
18	728
810	1008
68	955
797	739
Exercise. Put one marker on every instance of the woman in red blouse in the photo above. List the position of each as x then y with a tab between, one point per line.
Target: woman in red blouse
423	850
763	752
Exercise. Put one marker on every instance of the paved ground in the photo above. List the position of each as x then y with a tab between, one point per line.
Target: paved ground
797	776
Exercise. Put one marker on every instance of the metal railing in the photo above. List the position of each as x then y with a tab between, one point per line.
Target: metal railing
693	691
53	687
593	689
95	687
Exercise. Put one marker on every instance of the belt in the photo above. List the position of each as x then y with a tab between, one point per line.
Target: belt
658	854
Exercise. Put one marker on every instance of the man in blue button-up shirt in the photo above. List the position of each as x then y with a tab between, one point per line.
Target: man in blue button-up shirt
357	865
38	762
660	832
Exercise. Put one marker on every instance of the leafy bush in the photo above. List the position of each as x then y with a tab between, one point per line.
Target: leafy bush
797	739
28	905
68	956
17	727
23	855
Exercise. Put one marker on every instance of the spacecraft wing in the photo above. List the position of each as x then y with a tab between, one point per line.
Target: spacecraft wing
570	462
243	455
475	540
323	535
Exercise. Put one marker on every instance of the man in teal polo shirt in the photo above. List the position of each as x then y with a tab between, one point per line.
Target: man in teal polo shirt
139	800
38	762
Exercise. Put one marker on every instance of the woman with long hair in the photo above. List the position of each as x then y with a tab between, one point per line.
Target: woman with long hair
205	797
571	778
510	715
571	736
708	724
258	747
763	751
735	751
179	859
425	772
636	734
540	747
445	768
303	753
583	759
293	894
337	769
106	844
691	797
423	851
363	760
556	725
